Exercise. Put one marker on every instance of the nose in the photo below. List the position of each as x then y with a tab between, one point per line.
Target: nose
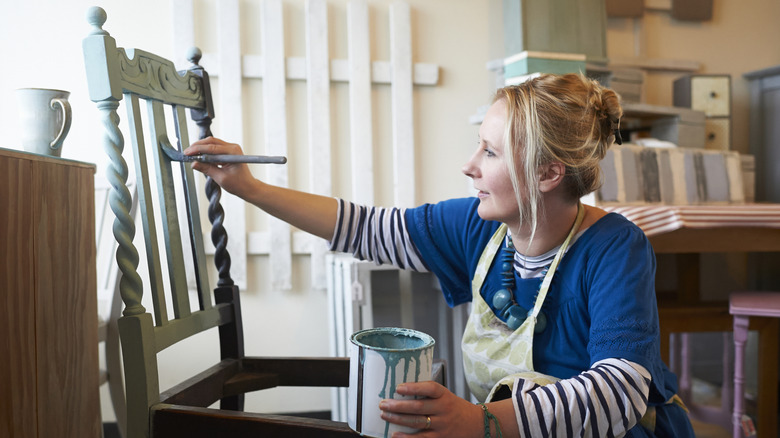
470	168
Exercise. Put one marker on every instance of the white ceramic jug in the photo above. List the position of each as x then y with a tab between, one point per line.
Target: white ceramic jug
44	117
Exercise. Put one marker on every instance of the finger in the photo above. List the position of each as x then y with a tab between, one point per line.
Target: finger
207	140
205	168
201	167
212	145
421	389
413	421
419	407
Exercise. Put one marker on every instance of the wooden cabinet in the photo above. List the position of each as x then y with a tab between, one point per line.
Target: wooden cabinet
48	327
558	26
710	94
765	131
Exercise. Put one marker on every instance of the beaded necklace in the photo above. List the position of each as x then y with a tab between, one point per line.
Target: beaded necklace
504	300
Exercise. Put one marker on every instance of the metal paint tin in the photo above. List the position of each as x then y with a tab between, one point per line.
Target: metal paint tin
379	360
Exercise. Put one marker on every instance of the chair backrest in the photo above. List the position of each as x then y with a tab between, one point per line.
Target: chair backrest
132	76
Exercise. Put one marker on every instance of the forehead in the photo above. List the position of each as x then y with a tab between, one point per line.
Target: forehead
493	123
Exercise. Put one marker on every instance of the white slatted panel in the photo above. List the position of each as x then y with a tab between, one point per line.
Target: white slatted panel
230	122
318	112
403	111
319	71
360	121
253	65
274	107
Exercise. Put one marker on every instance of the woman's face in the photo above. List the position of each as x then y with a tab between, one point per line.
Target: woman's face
488	169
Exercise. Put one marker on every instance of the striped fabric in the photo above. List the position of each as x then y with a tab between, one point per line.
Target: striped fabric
536	266
661	219
605	401
375	234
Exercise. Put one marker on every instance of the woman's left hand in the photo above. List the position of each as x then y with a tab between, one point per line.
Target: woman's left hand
450	415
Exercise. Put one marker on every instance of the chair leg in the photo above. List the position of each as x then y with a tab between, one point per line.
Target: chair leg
727	387
686	385
740	337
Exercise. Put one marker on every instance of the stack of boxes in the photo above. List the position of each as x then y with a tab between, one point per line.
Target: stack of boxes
710	94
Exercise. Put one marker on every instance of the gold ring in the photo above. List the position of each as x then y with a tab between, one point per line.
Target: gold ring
427	422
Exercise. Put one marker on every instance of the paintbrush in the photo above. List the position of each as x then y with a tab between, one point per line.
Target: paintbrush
176	155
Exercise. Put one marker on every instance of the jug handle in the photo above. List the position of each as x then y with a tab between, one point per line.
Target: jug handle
66	119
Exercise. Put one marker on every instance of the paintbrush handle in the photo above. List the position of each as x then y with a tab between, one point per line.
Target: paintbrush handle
217	158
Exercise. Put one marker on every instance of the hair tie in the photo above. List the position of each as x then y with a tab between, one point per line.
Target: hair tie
618	137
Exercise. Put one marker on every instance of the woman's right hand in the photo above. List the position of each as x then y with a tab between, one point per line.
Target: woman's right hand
312	213
235	178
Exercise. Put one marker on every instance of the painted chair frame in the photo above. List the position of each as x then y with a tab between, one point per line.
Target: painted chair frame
131	75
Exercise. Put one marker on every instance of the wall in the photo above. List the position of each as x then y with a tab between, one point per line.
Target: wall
738	39
41	40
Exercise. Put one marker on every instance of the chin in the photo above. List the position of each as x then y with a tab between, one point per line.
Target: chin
486	213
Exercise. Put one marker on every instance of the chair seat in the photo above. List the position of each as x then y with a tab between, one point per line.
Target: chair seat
766	304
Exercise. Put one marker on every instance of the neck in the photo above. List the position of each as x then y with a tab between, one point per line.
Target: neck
552	229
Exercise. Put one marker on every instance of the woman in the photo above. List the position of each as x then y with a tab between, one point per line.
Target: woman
563	336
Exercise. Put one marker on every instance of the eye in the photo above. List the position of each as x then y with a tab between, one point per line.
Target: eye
488	152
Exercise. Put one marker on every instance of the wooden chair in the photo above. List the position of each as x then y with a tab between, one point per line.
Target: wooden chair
114	75
747	309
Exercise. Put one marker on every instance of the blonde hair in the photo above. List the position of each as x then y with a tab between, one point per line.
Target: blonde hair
557	118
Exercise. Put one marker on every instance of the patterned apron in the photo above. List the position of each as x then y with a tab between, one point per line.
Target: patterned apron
494	355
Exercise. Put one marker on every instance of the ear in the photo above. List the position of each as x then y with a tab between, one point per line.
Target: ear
551	176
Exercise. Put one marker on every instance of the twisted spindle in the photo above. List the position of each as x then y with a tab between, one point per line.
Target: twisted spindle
202	118
130	285
218	234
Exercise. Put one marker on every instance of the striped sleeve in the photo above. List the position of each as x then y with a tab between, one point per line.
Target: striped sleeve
376	234
604	401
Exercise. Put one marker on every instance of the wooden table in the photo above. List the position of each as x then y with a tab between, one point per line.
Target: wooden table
48	325
688	231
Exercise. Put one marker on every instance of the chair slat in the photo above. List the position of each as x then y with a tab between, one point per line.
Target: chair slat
168	211
146	202
193	212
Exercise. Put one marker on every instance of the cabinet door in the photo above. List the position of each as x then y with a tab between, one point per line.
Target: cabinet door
66	310
711	94
718	133
18	410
